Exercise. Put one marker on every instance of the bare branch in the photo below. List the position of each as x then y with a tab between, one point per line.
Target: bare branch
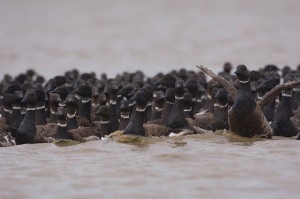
226	84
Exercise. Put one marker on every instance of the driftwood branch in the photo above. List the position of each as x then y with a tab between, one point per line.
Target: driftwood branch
226	84
269	96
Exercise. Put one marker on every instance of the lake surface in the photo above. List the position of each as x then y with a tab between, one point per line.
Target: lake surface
207	166
152	36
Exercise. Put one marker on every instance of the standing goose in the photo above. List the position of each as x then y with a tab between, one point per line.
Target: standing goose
71	106
112	89
62	127
262	89
12	106
188	105
159	100
192	85
27	132
50	85
245	116
17	117
124	120
176	117
149	88
212	87
103	127
84	92
200	100
41	111
136	124
7	107
8	131
64	133
123	93
95	103
168	104
9	96
54	100
167	107
205	117
282	124
220	119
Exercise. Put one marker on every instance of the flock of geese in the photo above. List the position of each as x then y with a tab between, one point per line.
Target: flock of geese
81	107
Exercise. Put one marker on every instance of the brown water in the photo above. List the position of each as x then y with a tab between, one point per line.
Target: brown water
207	166
114	36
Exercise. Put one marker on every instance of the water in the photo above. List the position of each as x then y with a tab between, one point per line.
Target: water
114	36
208	166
